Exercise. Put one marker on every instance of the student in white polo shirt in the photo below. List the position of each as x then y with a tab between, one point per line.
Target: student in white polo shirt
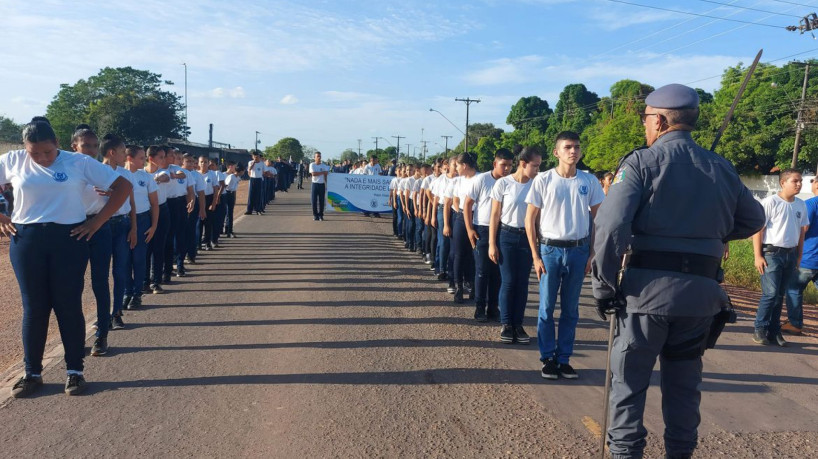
146	205
198	213
231	184
255	197
49	244
219	210
778	248
318	193
463	252
177	211
394	204
157	167
508	245
562	203
487	274
211	185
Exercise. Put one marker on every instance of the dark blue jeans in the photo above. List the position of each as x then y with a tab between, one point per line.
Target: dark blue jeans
121	262
463	253
175	240
564	273
50	268
206	226
100	249
229	200
218	220
255	195
487	274
419	233
401	218
515	269
780	272
155	258
191	231
442	248
136	270
795	295
317	194
409	228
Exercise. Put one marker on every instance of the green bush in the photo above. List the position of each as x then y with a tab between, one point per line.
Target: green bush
740	270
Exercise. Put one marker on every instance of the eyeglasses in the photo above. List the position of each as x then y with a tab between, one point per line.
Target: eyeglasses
644	116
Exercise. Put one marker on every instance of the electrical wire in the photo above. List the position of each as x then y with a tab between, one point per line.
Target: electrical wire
750	8
794	3
694	14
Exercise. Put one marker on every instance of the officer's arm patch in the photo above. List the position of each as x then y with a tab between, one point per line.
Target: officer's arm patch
620	175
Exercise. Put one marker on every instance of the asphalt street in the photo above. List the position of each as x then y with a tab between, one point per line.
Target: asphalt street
327	339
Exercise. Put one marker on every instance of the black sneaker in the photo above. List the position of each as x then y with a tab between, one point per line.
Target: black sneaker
779	340
451	289
480	314
458	296
117	323
100	347
166	280
760	336
157	289
493	313
146	288
26	386
507	334
181	274
126	301
567	371
549	369
442	277
520	335
75	384
136	303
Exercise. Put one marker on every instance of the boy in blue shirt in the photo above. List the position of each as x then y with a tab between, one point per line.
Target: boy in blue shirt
807	270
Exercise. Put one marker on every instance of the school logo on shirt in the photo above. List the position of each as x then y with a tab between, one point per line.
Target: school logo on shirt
60	176
798	214
583	189
142	183
181	181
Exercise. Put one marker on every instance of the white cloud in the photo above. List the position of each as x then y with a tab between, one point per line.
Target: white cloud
505	71
236	93
289	99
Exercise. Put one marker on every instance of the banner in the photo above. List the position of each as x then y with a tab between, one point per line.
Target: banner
358	193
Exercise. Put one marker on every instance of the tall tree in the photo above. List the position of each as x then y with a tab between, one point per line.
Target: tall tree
289	149
123	101
10	132
529	113
476	132
485	149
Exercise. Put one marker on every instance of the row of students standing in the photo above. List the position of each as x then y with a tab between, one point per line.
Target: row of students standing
483	232
134	210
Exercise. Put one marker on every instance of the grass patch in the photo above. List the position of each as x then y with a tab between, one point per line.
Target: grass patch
740	270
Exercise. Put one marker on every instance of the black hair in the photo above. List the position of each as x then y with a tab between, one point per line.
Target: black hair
503	153
566	135
39	131
154	150
528	154
40	118
82	132
373	156
132	150
82	126
467	159
231	163
110	142
786	173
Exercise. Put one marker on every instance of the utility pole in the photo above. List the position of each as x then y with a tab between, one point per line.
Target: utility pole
187	124
407	149
447	137
376	145
359	148
398	147
468	102
423	150
799	122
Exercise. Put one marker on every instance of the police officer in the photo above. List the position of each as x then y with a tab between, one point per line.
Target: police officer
670	287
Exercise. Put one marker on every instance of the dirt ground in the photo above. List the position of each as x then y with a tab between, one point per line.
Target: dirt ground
11	310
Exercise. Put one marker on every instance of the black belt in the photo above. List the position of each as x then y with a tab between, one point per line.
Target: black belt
564	243
118	218
513	229
680	262
230	192
769	248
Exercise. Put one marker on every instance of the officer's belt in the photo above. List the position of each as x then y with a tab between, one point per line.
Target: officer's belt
769	248
563	243
680	262
512	229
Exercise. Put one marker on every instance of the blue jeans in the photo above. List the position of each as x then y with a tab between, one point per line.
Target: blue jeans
487	276
419	233
175	240
515	268
135	276
100	251
121	260
317	193
217	224
155	257
463	253
192	238
409	228
780	272
795	295
400	218
442	249
229	200
50	267
255	195
564	273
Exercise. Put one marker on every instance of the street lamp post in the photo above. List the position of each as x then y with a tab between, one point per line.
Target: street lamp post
187	123
255	147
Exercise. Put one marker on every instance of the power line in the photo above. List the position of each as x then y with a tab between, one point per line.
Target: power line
694	14
794	3
750	8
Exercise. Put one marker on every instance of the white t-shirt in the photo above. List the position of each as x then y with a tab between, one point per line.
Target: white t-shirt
210	182
480	192
231	182
220	177
164	187
52	194
511	194
179	187
439	185
92	201
125	209
143	185
784	221
318	168
393	183
198	182
372	170
272	170
565	203
427	182
416	184
448	190
461	189
255	170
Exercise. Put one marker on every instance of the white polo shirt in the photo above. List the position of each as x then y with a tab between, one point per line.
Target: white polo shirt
164	187
199	184
372	170
565	203
480	192
318	168
231	182
179	187
784	221
511	195
210	181
52	194
143	185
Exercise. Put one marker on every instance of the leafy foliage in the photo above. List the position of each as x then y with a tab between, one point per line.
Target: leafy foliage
10	132
288	148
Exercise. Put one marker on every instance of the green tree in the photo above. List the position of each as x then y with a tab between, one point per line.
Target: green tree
617	128
529	113
476	132
485	149
349	155
123	101
10	132
573	112
288	148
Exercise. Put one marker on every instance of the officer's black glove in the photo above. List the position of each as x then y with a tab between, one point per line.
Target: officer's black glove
609	306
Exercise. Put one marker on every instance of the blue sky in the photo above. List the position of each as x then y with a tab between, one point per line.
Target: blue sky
332	72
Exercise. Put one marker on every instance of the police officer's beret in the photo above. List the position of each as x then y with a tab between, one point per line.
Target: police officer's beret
673	96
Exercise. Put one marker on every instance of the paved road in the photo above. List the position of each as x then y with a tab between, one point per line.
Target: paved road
322	339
